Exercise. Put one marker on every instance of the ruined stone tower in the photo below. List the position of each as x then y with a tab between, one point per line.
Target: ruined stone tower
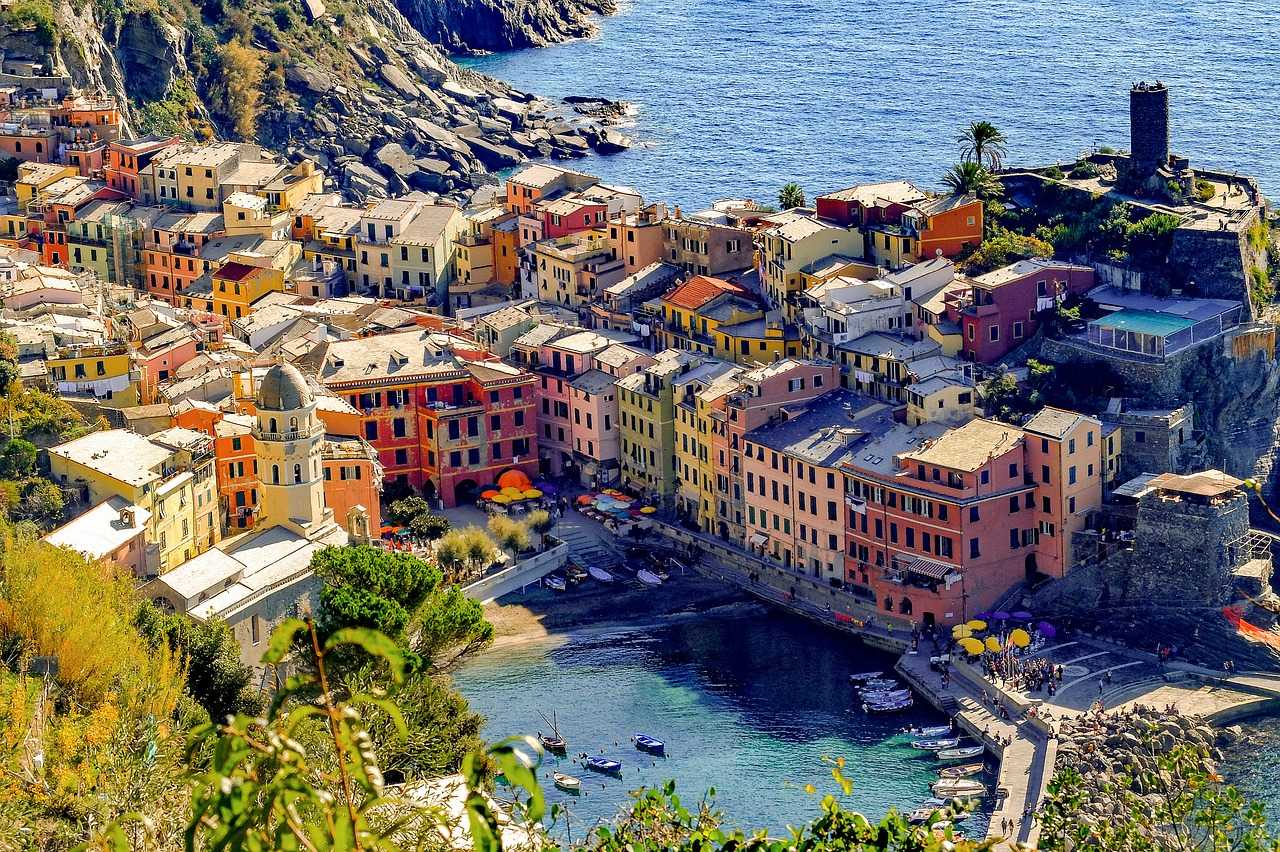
1148	128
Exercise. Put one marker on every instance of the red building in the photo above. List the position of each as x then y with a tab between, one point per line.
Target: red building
999	311
904	224
127	159
445	416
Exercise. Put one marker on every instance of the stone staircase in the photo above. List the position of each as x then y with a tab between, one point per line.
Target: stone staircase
585	548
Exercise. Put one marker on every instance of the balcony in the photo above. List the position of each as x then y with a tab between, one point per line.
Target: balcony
299	435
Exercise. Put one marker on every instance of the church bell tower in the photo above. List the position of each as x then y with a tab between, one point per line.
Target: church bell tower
289	438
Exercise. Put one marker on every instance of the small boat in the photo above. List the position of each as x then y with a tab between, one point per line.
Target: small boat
863	676
880	683
604	765
961	771
648	577
567	782
922	814
963	787
889	706
555	582
652	745
600	574
552	743
961	753
936	744
885	697
934	731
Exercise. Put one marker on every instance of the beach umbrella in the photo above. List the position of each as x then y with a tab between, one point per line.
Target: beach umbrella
647	510
985	616
971	646
532	494
1047	630
488	495
584	499
1023	615
1000	616
1020	638
547	488
512	492
976	624
502	500
961	631
993	644
515	479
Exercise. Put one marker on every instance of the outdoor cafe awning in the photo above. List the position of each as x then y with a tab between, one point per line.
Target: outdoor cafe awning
925	567
757	540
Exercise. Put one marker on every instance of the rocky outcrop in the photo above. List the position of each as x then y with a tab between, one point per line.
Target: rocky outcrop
479	26
1118	760
379	106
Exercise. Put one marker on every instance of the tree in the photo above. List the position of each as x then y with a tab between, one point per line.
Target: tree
970	178
791	196
982	143
541	522
480	549
429	527
238	90
510	535
17	459
366	586
42	503
403	511
1002	248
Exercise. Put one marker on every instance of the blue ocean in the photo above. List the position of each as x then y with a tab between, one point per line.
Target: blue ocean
737	97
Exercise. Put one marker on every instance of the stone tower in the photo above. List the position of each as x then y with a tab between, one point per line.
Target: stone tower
289	438
1148	128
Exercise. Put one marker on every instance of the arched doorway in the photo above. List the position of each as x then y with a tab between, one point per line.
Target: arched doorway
466	491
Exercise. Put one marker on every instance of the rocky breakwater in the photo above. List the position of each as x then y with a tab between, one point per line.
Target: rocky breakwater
1137	761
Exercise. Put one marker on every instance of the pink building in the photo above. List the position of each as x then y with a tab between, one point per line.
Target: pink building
998	312
112	532
159	357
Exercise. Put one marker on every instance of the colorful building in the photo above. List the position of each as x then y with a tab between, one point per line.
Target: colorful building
797	240
104	373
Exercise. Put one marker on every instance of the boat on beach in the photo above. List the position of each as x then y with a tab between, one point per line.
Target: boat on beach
649	578
604	765
600	574
649	744
961	771
567	782
962	787
961	753
864	676
937	744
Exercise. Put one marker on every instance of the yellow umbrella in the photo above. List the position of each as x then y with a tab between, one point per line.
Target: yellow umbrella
993	644
961	631
1020	638
977	624
500	499
647	510
971	645
532	494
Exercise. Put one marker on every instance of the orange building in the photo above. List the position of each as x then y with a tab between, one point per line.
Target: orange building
637	238
506	248
172	249
127	159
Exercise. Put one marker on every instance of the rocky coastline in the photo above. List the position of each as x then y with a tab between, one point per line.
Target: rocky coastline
1118	755
484	26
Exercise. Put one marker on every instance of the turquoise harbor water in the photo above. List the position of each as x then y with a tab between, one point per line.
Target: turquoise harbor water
736	97
748	705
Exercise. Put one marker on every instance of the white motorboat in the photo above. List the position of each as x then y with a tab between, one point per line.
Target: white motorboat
864	676
880	697
961	771
936	744
933	731
567	782
959	788
555	582
600	574
961	753
648	577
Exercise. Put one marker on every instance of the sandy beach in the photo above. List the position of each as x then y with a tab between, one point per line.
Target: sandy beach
541	614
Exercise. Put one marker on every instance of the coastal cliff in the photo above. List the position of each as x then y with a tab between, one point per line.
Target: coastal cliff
356	87
477	26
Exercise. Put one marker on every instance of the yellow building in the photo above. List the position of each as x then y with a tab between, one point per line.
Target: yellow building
291	186
34	177
243	213
406	248
574	270
104	372
328	230
698	396
759	340
237	285
796	242
941	399
169	474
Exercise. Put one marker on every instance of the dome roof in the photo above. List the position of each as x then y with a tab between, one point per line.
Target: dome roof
283	388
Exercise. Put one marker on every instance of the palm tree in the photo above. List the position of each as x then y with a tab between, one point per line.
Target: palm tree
983	143
790	196
969	178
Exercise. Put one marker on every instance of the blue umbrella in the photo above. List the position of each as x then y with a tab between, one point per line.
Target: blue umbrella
1001	615
1023	615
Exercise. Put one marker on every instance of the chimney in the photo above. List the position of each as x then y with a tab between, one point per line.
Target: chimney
127	517
679	215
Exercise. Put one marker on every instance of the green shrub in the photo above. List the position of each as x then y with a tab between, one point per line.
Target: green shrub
35	15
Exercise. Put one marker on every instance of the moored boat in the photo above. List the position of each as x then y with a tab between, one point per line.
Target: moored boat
961	753
552	742
567	782
880	683
936	744
600	574
649	578
961	771
652	745
962	787
864	676
933	731
880	697
555	582
604	765
895	706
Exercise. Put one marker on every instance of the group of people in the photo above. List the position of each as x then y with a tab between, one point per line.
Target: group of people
1030	674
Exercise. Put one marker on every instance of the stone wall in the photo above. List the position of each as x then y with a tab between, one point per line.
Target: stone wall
1183	548
1153	441
1215	264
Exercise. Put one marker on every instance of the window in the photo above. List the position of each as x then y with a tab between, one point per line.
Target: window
1015	540
275	474
1044	473
1071	446
1014	505
371	430
995	333
1140	437
973	514
975	549
402	456
1071	475
297	474
398	427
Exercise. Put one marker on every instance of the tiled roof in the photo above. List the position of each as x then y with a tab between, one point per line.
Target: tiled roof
699	290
